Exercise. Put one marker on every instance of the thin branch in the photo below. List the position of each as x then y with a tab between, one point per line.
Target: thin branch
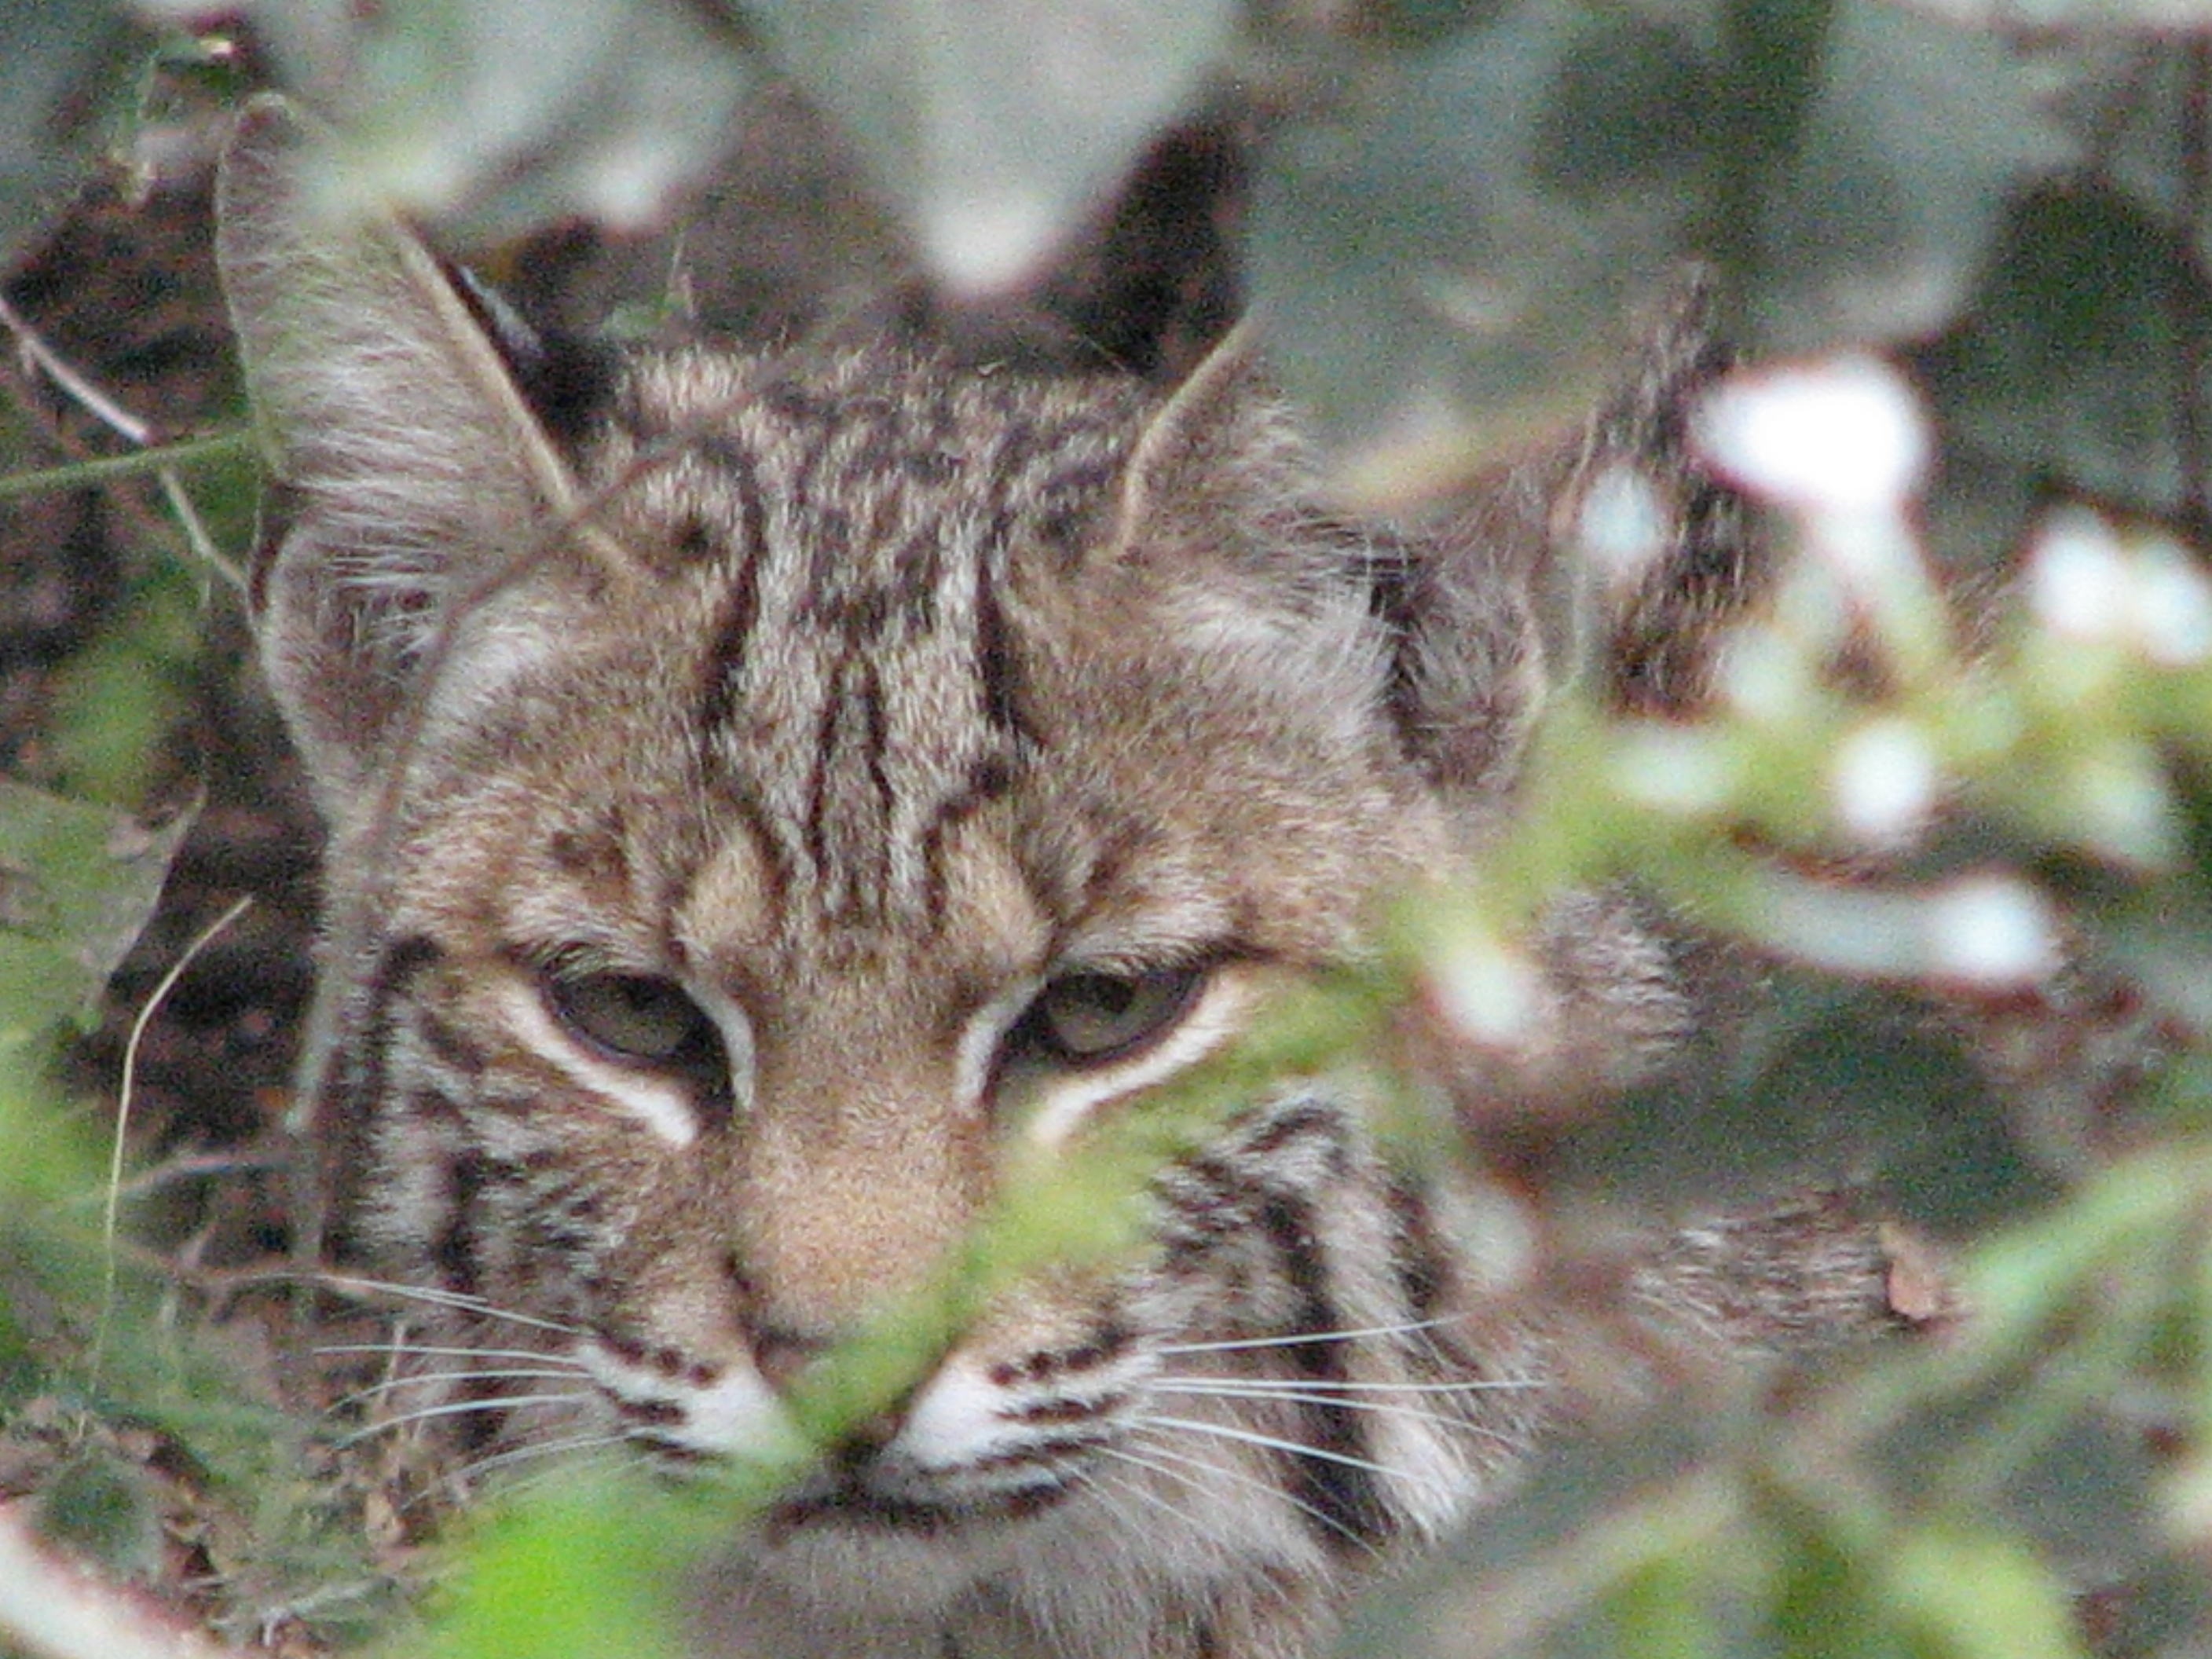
57	369
121	421
98	469
109	1220
199	1166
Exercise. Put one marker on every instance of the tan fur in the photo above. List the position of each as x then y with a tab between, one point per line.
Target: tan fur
724	802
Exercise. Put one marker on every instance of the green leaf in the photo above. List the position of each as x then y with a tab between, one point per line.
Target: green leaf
1448	265
1973	1593
580	1571
1590	1551
994	125
505	114
1823	1084
77	883
1823	1603
2065	367
58	57
1903	163
98	1506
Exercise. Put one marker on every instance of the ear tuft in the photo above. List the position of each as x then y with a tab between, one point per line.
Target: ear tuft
1223	476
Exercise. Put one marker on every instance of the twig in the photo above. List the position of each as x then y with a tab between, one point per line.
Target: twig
111	1213
122	422
199	1166
95	468
58	369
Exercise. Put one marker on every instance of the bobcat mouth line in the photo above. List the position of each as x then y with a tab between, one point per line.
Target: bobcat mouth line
844	1502
841	1497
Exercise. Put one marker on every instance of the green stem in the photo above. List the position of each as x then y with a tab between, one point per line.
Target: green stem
78	475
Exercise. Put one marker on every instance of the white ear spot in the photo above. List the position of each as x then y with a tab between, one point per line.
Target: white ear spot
497	647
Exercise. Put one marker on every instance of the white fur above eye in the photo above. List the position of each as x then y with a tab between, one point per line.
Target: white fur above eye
979	1042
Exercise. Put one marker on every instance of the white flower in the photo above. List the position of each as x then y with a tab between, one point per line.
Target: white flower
1885	779
1842	437
1991	930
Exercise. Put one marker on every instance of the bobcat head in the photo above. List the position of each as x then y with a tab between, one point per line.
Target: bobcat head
773	796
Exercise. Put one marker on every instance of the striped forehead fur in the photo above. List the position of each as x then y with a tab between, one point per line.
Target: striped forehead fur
878	549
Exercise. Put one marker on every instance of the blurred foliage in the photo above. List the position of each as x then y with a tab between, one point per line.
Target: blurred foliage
1462	212
58	70
992	126
77	883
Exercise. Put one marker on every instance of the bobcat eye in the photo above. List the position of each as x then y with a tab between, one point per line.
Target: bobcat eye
1085	1018
631	1017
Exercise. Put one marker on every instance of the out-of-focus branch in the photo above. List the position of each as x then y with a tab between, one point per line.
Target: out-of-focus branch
57	1608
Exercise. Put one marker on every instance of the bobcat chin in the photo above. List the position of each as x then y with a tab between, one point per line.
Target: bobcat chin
768	792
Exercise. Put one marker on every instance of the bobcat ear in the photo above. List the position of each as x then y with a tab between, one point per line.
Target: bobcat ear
1467	662
408	462
1223	435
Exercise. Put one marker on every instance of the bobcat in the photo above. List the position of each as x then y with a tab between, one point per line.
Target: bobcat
773	795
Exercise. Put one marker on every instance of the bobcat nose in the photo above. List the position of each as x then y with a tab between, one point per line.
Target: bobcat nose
780	1353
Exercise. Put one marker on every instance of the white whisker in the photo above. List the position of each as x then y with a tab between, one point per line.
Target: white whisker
1377	1407
1254	1438
1212	1471
448	1378
409	1350
476	1467
1301	1337
1286	1384
443	1299
459	1408
1112	1485
572	1444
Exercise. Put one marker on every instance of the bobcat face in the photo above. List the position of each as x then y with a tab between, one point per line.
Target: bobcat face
809	792
760	910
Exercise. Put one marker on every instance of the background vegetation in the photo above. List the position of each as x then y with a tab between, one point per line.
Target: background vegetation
1967	244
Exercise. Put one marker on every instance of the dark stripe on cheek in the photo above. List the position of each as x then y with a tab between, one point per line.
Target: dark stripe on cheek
357	1091
449	1044
1423	1266
1310	1121
453	1252
1342	1500
724	671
